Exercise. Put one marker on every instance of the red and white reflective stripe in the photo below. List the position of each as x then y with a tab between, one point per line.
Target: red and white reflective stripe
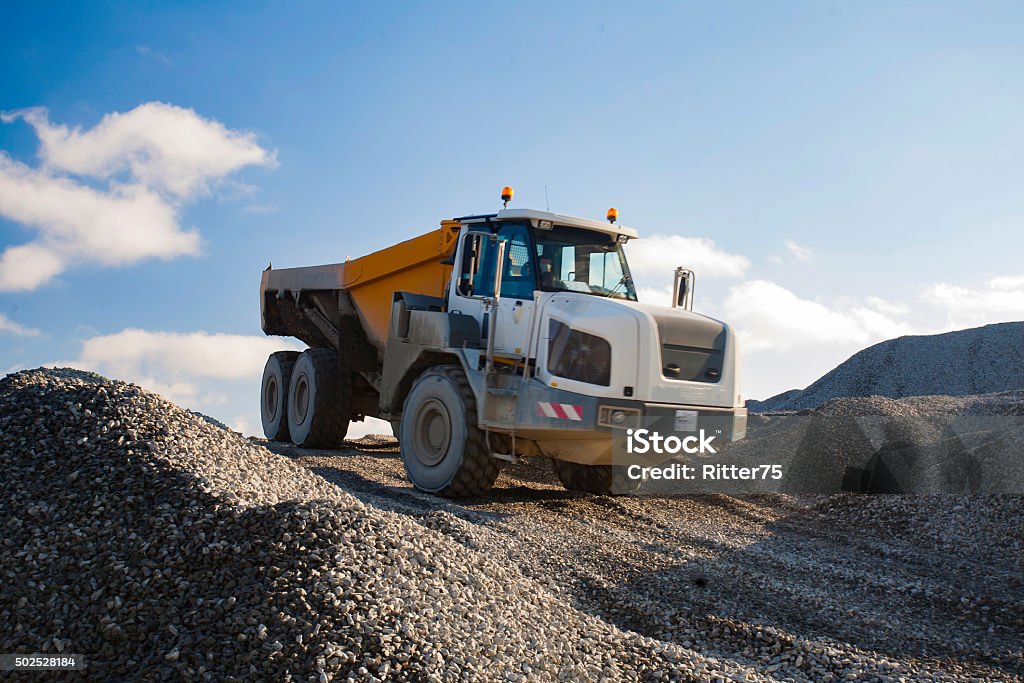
562	411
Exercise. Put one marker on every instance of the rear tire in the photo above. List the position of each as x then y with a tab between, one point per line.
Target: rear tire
319	400
277	375
443	449
600	479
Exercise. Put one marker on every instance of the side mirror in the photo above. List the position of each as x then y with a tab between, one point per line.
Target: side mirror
472	258
682	289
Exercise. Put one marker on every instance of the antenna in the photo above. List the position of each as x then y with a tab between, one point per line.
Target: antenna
547	203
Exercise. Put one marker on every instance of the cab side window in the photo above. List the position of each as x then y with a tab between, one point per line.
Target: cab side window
477	269
517	278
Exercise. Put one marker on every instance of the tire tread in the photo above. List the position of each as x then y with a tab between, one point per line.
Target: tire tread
285	361
479	471
331	410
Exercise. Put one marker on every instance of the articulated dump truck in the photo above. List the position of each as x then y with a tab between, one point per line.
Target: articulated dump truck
495	337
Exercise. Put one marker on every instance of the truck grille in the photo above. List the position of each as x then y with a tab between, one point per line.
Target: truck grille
691	363
692	347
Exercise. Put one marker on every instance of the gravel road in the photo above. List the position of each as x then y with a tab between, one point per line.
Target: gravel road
823	588
163	547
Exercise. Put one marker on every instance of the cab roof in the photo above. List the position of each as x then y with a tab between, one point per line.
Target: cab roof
556	219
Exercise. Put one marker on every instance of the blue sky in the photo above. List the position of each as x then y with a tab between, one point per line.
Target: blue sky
837	173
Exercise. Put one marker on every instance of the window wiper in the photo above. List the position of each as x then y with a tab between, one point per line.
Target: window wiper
623	280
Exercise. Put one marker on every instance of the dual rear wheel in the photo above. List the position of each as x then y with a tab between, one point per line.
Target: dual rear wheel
306	398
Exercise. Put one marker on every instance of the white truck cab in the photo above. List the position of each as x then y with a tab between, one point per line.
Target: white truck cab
564	275
567	320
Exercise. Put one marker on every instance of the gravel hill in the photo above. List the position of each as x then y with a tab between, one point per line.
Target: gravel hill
165	548
981	360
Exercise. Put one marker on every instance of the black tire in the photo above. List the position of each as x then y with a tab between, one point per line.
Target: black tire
600	479
443	449
277	374
319	397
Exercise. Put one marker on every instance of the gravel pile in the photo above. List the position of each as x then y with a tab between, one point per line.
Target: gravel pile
160	546
1003	404
981	360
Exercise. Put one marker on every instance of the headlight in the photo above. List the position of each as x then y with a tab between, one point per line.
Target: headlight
579	356
618	418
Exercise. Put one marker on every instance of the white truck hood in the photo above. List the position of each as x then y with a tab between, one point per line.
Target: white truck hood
645	341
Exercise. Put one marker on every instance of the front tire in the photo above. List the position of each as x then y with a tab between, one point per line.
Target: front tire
319	396
277	375
443	449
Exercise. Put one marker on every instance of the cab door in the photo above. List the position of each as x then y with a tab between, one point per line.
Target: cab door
518	282
475	285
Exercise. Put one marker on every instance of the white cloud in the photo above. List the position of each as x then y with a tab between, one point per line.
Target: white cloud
799	252
891	308
8	326
76	222
657	256
160	145
661	296
1010	282
770	317
791	341
28	265
1001	299
153	159
188	368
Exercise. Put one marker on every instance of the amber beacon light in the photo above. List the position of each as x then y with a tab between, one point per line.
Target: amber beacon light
613	215
506	195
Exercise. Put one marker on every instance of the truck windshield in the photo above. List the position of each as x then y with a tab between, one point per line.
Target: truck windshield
586	261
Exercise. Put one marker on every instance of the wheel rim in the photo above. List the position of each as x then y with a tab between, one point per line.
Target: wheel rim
271	397
432	433
301	400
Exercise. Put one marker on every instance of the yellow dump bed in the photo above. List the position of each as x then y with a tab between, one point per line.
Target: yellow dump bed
369	282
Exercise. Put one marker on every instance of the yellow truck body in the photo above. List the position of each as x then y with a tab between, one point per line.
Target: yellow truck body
370	281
